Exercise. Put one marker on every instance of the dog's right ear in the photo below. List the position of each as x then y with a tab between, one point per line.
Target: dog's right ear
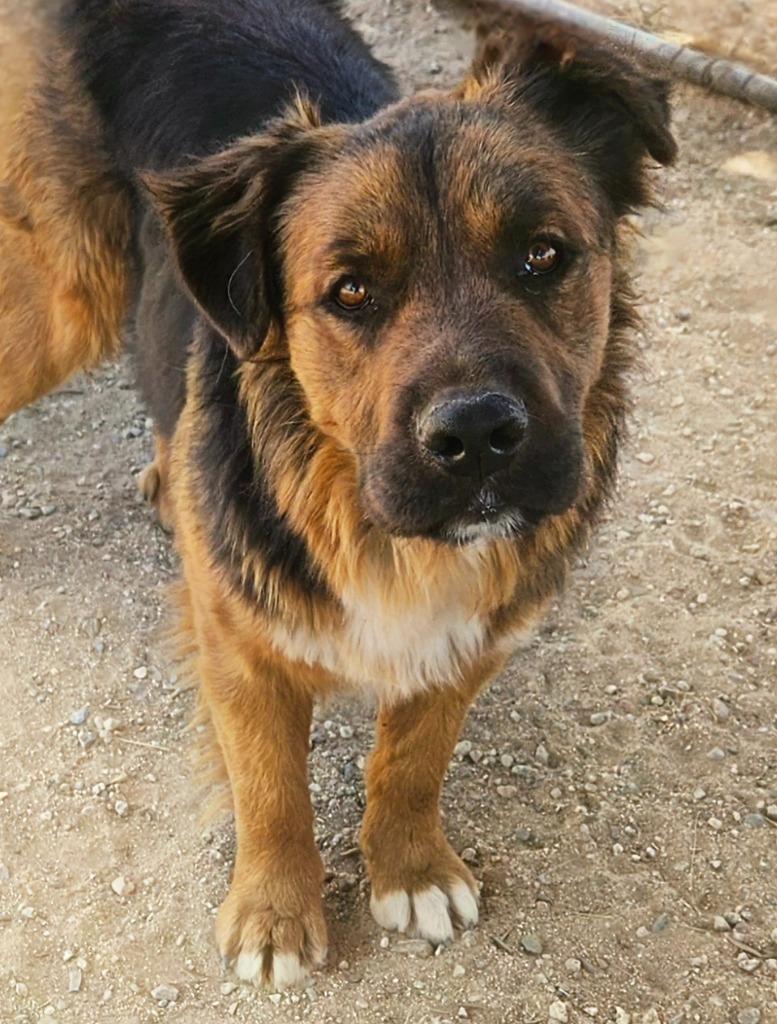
219	217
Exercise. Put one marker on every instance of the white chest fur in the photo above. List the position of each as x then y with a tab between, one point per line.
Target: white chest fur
399	635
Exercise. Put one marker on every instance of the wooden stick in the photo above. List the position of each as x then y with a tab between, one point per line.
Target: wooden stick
714	73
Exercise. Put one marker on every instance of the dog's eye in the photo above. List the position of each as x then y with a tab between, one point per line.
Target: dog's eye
543	257
349	293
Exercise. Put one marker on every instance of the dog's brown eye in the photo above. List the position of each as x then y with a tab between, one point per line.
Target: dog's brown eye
350	293
543	257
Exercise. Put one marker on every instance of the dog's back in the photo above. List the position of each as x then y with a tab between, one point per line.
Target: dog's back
250	60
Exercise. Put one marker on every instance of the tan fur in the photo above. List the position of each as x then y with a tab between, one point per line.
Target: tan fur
65	236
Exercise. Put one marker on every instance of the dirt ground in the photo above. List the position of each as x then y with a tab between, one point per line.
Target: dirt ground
615	790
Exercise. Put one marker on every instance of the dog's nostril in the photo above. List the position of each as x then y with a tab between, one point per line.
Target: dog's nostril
505	440
446	446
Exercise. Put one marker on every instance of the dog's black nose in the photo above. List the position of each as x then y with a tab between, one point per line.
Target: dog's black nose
473	433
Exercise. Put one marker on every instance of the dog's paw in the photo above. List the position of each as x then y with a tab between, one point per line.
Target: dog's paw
420	888
269	947
430	913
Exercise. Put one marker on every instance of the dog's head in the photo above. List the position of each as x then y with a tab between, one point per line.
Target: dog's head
440	278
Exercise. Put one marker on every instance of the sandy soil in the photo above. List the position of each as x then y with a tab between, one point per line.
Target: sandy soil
616	789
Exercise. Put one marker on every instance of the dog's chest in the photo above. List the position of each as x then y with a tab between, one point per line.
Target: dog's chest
397	640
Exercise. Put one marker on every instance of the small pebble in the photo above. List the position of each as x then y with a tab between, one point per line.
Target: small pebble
598	718
748	964
573	965
558	1012
74	980
414	947
507	791
716	754
531	944
80	716
720	709
755	820
645	457
622	1016
660	923
165	993
750	1015
720	924
458	971
85	738
119	885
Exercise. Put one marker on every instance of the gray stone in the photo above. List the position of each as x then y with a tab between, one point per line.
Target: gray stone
414	947
165	993
531	944
750	1015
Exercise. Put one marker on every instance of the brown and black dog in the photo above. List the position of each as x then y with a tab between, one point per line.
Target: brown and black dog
384	342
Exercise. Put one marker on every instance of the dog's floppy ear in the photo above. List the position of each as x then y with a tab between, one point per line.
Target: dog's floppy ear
219	217
607	110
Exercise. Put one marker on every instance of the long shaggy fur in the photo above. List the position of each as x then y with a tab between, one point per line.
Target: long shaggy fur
385	343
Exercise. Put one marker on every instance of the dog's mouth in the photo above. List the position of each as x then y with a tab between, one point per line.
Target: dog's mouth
488	520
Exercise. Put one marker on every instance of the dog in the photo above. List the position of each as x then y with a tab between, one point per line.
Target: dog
385	344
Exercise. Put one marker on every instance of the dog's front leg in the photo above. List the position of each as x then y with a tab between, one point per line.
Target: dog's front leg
419	885
271	925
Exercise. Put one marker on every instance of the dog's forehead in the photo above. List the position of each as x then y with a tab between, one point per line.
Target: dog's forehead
443	164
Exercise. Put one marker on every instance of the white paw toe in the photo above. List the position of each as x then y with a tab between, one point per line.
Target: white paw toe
248	967
465	904
431	916
287	971
393	911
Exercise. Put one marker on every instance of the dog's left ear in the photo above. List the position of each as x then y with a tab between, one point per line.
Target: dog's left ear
608	111
219	215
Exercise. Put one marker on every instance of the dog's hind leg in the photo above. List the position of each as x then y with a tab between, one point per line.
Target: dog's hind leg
154	482
65	243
